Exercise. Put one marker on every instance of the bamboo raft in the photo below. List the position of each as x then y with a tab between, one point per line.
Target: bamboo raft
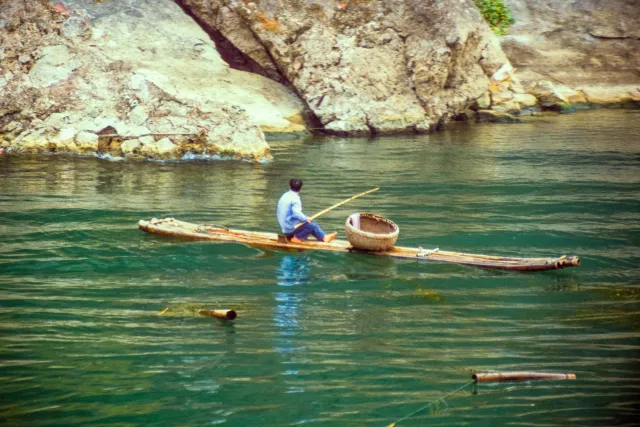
174	228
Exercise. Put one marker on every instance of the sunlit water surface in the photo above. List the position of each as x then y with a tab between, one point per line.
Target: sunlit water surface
329	339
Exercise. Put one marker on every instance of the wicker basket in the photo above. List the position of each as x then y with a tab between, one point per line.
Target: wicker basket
371	232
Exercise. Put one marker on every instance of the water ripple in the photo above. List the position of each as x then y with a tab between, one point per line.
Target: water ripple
328	339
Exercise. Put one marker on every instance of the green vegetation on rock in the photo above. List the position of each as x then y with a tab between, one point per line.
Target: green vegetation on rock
497	14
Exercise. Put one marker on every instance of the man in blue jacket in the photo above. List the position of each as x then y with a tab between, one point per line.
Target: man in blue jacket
289	213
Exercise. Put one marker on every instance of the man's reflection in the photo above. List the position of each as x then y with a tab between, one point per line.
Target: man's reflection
293	272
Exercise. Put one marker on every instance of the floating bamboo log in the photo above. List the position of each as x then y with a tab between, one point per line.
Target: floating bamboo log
491	377
219	314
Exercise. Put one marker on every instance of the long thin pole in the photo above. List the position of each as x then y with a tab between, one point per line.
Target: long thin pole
336	205
492	377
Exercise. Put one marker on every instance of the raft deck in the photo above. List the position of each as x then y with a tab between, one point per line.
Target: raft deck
174	228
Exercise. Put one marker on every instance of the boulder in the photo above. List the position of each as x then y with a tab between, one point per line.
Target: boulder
490	116
547	94
66	138
501	96
612	96
528	104
366	67
525	99
131	148
510	106
137	67
484	101
556	96
63	141
166	149
577	44
34	142
148	147
87	142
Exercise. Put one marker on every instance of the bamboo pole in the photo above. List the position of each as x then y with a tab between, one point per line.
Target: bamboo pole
311	218
114	135
219	314
492	377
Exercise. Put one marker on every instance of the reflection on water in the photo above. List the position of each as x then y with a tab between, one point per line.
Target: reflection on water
323	338
293	273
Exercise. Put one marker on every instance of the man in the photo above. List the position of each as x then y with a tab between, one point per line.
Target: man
289	213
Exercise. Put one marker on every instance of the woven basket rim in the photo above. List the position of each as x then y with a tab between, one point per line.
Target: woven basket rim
371	241
396	229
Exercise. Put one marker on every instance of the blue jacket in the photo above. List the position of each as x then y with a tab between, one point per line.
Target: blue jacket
289	211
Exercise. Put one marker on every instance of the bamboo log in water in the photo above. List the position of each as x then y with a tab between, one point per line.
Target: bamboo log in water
219	314
491	377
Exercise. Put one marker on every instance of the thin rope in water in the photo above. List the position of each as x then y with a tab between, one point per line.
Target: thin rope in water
429	404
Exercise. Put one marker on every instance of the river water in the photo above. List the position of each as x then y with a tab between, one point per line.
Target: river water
329	339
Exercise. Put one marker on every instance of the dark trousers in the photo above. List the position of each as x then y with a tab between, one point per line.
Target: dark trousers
306	229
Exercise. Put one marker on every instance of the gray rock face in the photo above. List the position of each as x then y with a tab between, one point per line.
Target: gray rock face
592	46
94	75
367	66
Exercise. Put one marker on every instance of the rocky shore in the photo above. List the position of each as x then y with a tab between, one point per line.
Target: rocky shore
164	80
132	79
576	55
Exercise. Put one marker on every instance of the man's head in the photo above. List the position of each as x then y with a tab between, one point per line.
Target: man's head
295	184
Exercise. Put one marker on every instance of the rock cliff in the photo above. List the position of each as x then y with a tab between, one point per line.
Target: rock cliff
164	79
579	51
135	78
367	67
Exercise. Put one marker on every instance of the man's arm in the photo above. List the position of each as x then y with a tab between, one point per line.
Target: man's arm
296	209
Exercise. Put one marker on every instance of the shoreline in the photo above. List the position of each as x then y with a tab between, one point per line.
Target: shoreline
126	149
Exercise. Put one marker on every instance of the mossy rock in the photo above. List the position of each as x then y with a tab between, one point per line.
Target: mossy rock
566	108
497	14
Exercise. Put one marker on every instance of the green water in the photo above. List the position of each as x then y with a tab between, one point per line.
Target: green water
328	339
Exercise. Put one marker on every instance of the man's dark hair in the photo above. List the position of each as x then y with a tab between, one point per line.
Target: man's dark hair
295	184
